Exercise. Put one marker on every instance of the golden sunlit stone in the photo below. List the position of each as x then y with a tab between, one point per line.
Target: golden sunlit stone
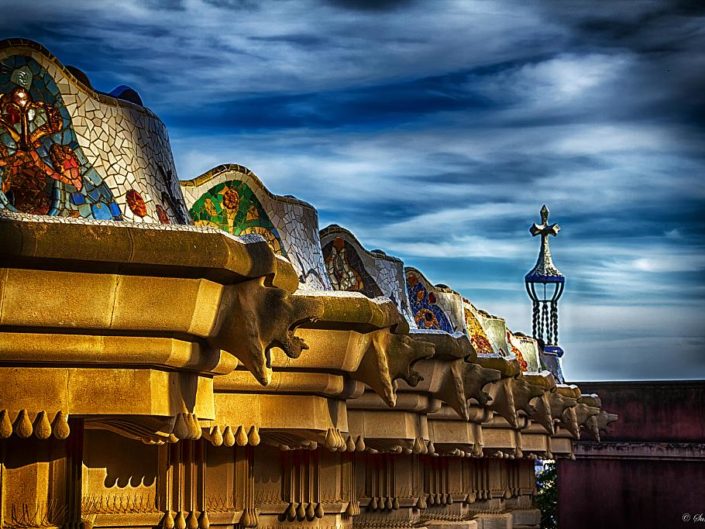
157	373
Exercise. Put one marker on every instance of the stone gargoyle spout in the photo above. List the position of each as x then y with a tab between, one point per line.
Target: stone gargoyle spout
569	420
403	353
587	410
559	403
563	401
542	412
592	427
503	401
254	317
475	378
539	410
501	392
390	357
452	389
524	392
604	419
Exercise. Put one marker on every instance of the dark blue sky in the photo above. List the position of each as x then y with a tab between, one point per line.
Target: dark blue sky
435	131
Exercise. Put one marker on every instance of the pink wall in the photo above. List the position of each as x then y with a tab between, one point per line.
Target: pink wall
606	494
653	411
666	419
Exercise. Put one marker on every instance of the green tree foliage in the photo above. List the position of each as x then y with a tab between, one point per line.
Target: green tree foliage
547	495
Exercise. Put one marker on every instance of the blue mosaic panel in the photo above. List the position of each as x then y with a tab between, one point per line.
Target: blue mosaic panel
43	169
427	314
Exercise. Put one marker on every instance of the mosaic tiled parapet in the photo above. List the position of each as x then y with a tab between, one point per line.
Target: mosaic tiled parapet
348	264
485	331
526	349
423	300
67	150
351	267
452	376
496	330
233	199
475	330
452	304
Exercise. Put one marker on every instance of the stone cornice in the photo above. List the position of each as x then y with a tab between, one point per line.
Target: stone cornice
649	451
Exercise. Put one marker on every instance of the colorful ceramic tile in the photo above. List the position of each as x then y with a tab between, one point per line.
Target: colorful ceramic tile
513	349
528	348
43	170
345	269
232	206
478	336
136	203
427	314
287	222
496	330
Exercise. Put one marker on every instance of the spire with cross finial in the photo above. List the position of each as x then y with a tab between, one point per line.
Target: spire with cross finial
545	271
544	284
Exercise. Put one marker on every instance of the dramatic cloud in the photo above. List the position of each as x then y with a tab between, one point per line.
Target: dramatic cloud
435	130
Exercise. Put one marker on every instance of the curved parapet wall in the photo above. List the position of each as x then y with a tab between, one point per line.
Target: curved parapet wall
234	199
526	349
517	352
351	267
70	151
423	301
452	304
496	329
346	270
475	330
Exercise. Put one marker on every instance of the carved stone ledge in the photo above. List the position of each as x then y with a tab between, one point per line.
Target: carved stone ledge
95	392
290	420
363	337
640	450
254	318
300	382
407	401
390	430
149	282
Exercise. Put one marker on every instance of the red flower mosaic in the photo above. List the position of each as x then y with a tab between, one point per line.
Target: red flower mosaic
26	174
136	203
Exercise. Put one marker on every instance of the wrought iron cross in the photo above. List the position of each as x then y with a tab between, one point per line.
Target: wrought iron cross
544	229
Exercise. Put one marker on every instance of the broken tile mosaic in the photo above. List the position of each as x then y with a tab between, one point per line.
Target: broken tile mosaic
345	269
427	314
43	169
233	207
